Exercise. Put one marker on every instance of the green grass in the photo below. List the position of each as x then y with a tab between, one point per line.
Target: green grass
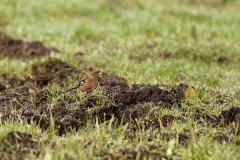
111	34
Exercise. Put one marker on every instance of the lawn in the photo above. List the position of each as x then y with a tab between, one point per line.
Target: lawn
172	63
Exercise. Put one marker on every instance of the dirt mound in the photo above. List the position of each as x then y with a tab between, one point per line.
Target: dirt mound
42	74
52	71
147	93
231	115
16	47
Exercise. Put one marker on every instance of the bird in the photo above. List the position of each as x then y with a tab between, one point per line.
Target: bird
90	81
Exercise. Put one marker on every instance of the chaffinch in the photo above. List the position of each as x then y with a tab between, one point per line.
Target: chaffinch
89	82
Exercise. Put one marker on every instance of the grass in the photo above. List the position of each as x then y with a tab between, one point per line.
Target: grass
130	39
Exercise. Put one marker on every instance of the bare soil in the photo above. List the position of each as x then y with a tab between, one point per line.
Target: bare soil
16	47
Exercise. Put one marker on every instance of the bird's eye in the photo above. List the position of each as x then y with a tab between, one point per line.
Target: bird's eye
99	73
